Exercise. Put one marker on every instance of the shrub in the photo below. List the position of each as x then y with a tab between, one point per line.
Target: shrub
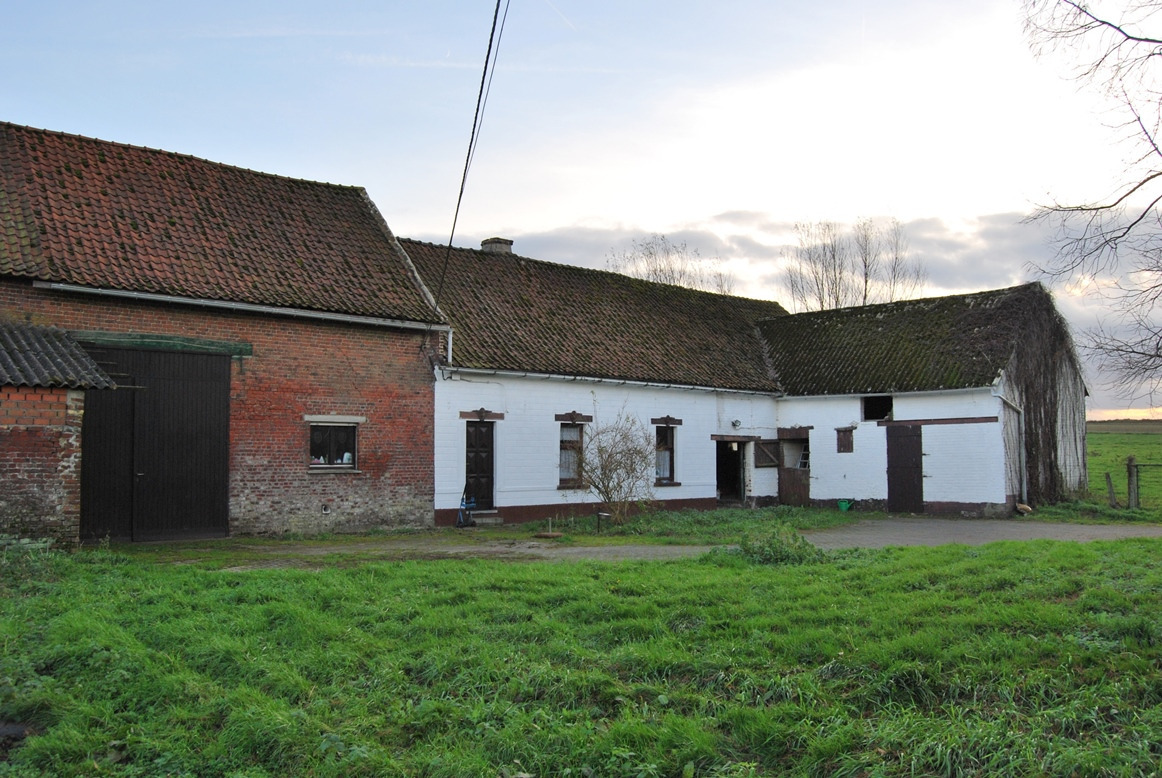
782	545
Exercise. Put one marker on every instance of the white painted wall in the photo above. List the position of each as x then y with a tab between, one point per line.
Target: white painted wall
527	440
962	462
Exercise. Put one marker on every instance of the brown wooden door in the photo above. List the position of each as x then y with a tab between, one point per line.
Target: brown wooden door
155	461
794	486
794	471
905	469
479	464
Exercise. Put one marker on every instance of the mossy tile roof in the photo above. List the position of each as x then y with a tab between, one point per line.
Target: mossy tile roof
99	214
513	313
951	342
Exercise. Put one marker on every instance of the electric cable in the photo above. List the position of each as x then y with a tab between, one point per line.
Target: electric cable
490	57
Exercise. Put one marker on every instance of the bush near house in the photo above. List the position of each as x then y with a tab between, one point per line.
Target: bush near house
1010	659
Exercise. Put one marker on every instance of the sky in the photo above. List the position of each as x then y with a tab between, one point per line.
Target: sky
719	125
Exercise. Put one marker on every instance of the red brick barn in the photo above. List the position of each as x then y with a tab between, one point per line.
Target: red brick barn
267	336
44	375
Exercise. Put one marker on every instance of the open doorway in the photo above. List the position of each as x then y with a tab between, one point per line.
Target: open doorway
731	484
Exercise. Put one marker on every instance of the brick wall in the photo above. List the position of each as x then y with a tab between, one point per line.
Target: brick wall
299	367
40	459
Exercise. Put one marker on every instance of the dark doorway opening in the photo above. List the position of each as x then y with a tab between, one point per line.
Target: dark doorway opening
730	472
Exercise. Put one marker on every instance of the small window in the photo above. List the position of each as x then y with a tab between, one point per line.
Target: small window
844	440
664	458
766	453
572	444
877	407
333	446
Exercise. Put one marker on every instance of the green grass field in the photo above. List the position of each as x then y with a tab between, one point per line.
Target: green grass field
1110	443
1011	659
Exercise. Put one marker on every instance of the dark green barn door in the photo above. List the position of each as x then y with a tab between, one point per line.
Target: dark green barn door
155	462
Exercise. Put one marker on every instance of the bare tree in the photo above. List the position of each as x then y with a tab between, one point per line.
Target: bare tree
901	277
1113	245
865	239
833	269
657	258
822	275
617	462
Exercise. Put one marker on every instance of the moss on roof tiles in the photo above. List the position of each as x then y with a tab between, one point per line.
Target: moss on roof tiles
89	212
952	342
519	314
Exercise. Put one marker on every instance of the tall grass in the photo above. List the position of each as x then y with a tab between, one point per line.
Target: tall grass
1035	658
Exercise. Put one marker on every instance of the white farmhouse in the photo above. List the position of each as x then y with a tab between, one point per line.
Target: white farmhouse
962	404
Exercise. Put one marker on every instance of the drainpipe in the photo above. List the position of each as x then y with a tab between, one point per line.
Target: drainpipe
1021	456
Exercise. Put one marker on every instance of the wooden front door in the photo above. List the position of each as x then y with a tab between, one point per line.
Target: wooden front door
155	459
794	471
478	464
905	469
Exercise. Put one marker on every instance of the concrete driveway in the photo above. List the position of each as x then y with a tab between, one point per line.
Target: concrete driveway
928	531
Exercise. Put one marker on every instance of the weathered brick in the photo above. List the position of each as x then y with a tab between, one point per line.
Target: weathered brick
299	367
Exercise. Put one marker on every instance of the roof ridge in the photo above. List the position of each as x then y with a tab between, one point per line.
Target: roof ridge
180	155
872	307
621	277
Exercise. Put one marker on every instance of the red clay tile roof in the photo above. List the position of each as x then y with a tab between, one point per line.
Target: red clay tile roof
951	342
45	356
517	314
99	214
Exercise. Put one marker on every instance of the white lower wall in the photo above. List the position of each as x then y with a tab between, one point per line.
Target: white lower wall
527	440
963	462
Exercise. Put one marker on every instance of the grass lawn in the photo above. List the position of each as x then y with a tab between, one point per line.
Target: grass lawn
1107	454
1034	658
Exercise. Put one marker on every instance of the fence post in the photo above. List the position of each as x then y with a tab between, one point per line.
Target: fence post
1132	482
1110	490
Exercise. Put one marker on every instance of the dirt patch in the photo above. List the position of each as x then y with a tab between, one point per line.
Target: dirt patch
307	555
869	533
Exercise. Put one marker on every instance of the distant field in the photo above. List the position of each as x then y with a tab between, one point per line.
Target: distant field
1130	426
1110	443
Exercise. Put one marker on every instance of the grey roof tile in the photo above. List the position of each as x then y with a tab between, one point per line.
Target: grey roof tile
45	356
951	342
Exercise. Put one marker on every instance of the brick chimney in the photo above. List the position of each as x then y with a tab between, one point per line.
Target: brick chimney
496	245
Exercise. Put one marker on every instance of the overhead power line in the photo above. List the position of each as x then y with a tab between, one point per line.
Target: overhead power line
494	38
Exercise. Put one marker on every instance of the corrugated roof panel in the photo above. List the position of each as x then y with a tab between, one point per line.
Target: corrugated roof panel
46	356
